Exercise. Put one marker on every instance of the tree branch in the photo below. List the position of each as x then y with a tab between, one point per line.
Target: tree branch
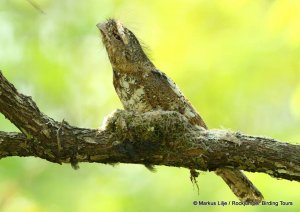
156	138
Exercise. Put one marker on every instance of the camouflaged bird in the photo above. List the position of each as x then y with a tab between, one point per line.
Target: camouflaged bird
141	87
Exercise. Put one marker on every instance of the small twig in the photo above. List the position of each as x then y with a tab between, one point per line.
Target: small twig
193	177
36	6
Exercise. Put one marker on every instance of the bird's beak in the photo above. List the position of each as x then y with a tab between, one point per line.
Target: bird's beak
102	27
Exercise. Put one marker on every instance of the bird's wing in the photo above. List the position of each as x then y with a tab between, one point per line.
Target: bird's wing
166	95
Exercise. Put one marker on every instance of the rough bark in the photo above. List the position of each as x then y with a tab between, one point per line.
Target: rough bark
153	138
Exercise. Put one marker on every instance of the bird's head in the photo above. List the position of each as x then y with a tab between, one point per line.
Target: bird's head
123	48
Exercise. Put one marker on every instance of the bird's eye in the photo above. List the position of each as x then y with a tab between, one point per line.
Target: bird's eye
116	36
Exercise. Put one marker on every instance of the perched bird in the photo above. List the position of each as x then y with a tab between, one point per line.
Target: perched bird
141	87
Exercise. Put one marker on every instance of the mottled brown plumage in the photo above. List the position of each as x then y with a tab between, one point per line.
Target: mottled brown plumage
141	88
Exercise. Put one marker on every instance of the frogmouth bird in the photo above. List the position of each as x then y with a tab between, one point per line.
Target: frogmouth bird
141	87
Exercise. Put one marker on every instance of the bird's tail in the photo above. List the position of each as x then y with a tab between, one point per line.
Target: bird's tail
240	185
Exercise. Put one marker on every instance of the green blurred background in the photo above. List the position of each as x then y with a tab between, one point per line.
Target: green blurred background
237	61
